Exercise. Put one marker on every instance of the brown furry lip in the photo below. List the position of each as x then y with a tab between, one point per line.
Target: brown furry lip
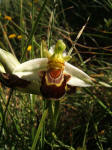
54	83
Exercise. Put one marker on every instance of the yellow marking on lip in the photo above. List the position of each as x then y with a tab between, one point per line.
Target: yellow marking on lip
58	85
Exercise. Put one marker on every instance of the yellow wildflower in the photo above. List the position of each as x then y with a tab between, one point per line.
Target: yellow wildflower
11	36
19	37
35	1
102	132
8	18
30	4
29	48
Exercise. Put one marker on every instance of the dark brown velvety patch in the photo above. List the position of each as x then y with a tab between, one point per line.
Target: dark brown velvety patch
71	89
53	91
12	81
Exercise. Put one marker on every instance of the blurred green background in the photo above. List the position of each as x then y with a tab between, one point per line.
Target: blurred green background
85	118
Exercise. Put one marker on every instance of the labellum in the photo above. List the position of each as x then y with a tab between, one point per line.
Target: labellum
54	83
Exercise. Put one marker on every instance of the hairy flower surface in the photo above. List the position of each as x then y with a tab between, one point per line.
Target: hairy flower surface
49	76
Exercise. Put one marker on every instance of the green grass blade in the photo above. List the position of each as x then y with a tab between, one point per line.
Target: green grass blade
34	28
39	129
6	109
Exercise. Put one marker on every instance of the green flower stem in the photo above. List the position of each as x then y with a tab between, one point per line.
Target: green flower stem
56	113
53	110
53	113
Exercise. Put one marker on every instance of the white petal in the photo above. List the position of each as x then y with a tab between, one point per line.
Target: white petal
31	65
8	61
77	82
29	70
29	76
2	68
77	75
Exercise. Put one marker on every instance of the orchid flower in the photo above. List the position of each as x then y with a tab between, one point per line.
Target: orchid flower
48	76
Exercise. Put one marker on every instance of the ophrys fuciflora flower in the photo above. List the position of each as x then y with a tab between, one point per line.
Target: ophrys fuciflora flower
48	76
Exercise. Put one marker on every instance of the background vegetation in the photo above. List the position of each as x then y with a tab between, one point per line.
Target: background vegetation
85	118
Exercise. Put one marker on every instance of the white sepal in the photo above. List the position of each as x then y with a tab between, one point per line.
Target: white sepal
2	68
77	75
32	65
8	61
74	81
29	76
